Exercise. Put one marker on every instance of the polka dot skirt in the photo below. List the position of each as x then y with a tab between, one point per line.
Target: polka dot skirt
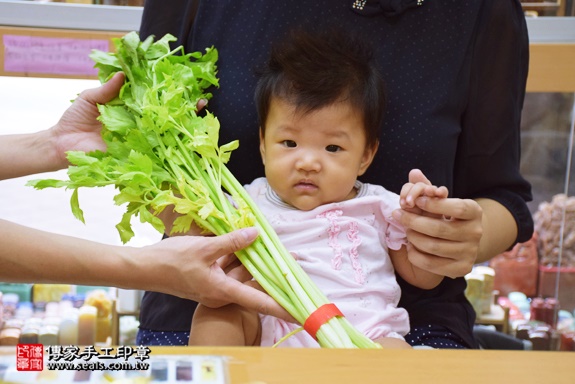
169	338
435	337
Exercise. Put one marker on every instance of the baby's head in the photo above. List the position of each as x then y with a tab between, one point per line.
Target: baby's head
320	103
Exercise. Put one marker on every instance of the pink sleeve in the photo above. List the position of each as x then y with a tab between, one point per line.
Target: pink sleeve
395	235
393	232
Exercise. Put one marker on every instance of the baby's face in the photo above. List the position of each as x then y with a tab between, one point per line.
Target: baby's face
314	158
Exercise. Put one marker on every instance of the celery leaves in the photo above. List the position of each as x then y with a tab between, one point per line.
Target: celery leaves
161	153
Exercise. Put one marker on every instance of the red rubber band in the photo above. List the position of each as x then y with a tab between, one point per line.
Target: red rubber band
319	317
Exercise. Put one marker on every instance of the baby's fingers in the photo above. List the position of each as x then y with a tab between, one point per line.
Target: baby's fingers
433	191
416	176
410	192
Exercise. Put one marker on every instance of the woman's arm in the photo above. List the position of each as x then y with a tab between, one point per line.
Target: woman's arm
499	229
186	266
175	267
25	154
78	129
494	215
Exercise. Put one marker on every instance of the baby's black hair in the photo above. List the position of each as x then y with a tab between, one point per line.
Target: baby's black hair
312	70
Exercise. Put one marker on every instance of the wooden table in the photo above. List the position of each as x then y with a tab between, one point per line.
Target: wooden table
253	365
298	366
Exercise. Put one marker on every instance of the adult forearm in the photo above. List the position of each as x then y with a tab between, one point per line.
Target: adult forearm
499	230
32	256
25	154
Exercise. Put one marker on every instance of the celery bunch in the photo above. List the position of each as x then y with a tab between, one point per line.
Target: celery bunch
160	153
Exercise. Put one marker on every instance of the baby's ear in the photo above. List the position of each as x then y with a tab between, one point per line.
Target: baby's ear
262	146
368	155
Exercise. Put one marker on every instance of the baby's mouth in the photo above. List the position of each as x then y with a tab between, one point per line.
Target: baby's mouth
306	185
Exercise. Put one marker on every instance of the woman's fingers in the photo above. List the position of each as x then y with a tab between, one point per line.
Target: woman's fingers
201	104
246	295
232	283
237	271
444	238
455	264
461	209
447	226
104	92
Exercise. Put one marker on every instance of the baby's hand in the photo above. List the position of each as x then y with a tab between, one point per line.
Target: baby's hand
417	186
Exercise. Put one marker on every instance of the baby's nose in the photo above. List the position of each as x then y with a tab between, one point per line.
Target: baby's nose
309	162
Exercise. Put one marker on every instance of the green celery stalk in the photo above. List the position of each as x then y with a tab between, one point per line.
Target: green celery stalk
160	153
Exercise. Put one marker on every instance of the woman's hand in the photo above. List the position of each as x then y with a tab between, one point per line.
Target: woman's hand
45	151
78	129
203	268
444	233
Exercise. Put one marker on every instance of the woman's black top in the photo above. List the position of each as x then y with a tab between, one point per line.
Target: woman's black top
455	72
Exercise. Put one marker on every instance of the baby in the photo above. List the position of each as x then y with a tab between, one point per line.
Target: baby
320	105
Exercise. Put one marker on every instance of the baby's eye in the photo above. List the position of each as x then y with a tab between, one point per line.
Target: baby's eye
289	143
333	148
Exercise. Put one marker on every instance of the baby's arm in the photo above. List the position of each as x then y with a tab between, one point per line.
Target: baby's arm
403	266
413	275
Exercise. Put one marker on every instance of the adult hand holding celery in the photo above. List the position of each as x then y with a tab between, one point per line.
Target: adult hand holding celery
161	153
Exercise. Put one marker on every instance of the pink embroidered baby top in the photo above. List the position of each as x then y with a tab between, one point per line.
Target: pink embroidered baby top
344	249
